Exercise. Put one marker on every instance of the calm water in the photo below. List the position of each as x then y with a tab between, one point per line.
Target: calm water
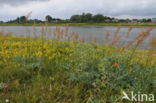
88	32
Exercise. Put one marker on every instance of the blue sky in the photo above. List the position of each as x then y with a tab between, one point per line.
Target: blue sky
10	9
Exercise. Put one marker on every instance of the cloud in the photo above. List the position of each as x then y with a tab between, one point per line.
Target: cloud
12	2
66	8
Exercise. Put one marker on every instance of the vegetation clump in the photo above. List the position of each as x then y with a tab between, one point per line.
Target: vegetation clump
34	70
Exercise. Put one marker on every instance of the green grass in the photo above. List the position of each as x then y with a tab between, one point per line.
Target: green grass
84	24
51	71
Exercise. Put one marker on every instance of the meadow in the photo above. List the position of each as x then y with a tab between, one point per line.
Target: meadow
69	70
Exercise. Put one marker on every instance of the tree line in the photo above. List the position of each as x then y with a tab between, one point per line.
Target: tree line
89	18
81	18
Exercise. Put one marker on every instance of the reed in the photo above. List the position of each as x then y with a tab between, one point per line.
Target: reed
94	40
129	32
126	36
116	37
138	40
107	37
75	36
153	42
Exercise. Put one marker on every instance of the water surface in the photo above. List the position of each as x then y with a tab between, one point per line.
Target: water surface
87	32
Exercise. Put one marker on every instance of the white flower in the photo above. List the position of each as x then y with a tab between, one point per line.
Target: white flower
3	85
7	100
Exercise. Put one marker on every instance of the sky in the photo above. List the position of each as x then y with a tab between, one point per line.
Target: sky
11	9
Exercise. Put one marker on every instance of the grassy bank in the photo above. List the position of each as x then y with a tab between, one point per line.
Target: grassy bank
49	71
85	24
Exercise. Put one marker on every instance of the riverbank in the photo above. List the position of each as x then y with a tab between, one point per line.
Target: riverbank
85	24
52	71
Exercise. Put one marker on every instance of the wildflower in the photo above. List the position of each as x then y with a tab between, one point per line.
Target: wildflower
7	100
3	85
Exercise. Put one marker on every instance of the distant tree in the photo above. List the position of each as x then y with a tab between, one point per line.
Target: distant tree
56	20
1	22
149	20
75	18
98	18
38	21
32	21
123	20
144	20
88	17
49	18
83	18
127	20
20	20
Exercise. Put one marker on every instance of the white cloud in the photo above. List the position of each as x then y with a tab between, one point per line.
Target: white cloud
66	8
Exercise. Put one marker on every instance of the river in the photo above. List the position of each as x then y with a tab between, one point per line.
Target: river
87	32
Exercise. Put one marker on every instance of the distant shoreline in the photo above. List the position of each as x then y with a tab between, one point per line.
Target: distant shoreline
85	24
